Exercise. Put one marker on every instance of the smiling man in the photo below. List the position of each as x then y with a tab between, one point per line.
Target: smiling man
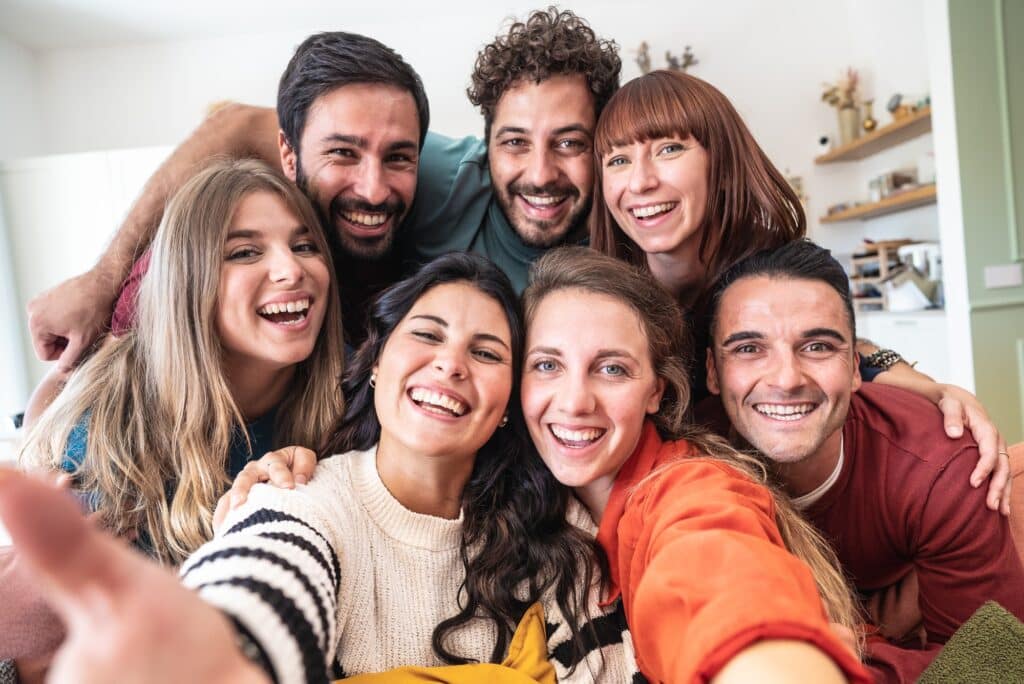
870	465
528	184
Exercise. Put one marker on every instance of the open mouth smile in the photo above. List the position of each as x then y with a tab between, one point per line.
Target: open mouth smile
286	313
438	402
576	438
785	412
652	211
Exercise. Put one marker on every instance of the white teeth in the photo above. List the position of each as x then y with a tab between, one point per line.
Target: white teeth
647	212
565	435
543	200
451	404
298	305
784	411
365	219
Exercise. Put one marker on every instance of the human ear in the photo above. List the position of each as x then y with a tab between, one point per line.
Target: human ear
654	401
289	159
712	371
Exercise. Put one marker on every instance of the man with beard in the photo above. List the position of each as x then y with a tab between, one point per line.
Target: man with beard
541	88
871	466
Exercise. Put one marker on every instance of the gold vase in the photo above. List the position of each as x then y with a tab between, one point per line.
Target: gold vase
869	124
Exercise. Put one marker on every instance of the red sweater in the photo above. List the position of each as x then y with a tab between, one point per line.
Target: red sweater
701	568
903	503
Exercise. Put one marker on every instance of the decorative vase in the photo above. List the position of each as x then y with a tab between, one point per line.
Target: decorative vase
849	125
869	124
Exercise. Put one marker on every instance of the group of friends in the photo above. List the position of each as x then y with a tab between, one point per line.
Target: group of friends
576	401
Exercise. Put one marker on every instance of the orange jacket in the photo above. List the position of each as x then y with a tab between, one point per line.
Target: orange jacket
698	560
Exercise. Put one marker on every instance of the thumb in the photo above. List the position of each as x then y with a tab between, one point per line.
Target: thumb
54	539
69	358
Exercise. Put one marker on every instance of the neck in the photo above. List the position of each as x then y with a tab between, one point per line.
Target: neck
256	392
680	272
595	497
423	483
806	475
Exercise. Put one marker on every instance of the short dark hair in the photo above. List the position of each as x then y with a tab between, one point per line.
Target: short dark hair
330	60
549	43
797	260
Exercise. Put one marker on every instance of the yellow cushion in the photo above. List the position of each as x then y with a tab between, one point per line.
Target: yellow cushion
527	662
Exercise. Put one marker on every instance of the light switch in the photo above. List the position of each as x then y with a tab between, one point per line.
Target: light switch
1004	275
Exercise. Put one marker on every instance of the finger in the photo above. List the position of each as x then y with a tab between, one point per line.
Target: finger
244	481
996	488
1007	492
987	437
54	538
280	474
72	353
221	511
48	347
303	464
952	417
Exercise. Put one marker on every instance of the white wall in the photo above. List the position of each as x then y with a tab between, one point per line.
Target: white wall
19	136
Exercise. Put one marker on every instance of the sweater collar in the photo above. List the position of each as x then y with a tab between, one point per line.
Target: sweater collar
395	520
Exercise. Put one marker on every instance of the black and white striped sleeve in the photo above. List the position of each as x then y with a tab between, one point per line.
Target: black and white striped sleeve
274	571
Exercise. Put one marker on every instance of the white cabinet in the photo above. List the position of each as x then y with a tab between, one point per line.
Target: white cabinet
60	213
919	337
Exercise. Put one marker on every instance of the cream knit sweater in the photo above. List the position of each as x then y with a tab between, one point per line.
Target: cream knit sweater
338	578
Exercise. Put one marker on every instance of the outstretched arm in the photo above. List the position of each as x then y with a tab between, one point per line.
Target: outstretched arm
66	319
127	618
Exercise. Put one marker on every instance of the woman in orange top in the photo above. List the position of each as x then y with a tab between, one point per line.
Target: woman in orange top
696	541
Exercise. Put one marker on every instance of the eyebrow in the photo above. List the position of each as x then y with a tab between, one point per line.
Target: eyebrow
477	336
825	332
745	335
571	128
246	233
600	355
362	143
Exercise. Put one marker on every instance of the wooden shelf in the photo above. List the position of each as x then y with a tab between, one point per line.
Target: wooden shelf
904	200
899	131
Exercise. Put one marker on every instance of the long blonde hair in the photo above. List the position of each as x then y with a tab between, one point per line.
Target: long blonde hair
669	344
155	404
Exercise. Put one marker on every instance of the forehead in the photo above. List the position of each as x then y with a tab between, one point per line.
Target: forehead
780	307
463	306
375	111
558	101
263	209
575	320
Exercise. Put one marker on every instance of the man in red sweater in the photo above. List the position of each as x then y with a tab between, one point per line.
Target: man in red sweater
870	465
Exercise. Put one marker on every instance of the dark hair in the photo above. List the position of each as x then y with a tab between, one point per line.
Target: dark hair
514	514
549	43
326	61
661	318
750	205
798	260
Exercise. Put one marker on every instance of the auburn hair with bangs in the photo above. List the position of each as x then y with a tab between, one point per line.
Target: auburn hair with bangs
750	205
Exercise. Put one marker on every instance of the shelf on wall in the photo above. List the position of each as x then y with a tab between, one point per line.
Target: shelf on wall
904	200
899	131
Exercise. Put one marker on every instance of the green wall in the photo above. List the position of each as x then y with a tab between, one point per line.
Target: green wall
988	84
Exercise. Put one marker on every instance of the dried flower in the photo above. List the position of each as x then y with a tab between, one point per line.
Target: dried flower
843	94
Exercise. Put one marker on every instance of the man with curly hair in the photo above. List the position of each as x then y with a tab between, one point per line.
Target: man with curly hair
524	188
527	186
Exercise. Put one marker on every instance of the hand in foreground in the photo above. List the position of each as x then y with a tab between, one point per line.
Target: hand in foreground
66	319
961	409
283	468
128	620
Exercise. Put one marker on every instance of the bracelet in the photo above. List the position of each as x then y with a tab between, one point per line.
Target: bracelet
884	359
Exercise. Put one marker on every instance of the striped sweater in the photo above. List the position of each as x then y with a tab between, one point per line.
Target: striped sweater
337	578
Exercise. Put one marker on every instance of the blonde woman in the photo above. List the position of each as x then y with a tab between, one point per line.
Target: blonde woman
237	345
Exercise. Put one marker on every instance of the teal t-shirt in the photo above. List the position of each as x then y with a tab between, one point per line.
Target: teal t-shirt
455	210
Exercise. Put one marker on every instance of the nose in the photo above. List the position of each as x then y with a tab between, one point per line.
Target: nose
285	267
370	184
541	168
642	177
450	363
575	396
785	372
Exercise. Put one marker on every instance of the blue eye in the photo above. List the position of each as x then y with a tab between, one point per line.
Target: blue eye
545	366
613	369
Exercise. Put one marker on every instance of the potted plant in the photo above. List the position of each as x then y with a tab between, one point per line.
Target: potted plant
843	96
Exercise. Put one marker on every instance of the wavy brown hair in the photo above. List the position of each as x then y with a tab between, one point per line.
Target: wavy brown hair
750	205
155	405
550	42
667	333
